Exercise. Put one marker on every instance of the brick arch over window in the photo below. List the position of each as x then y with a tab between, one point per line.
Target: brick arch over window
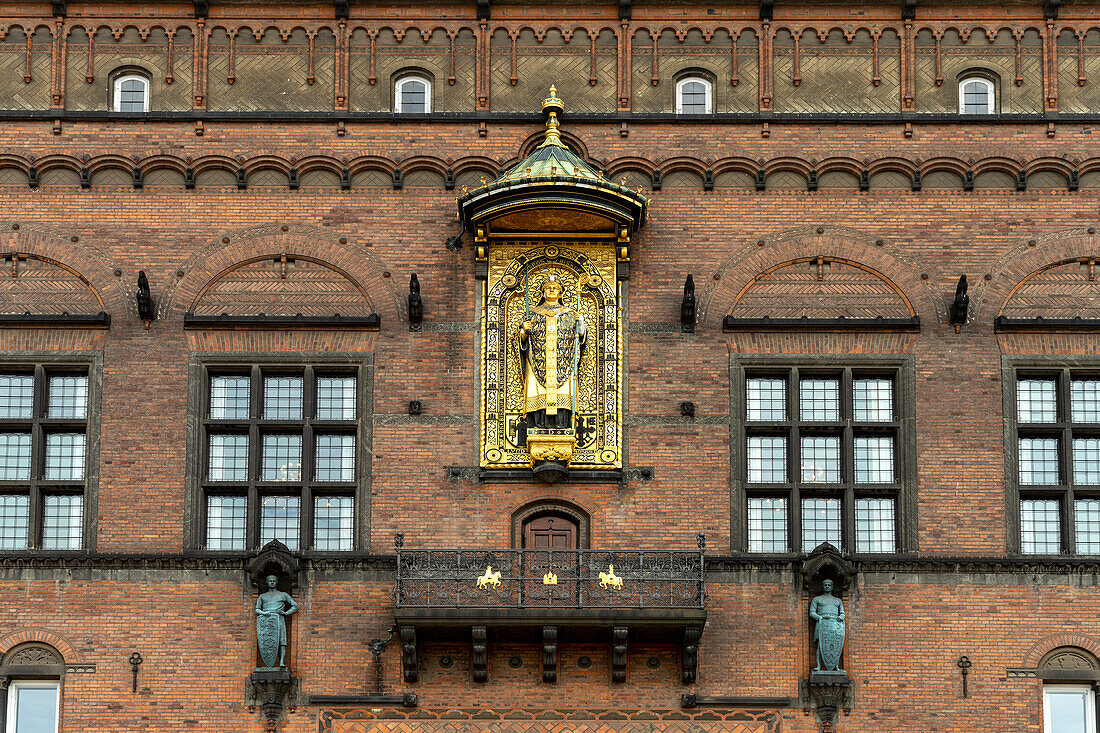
765	274
47	273
542	507
1043	650
38	636
321	273
1046	276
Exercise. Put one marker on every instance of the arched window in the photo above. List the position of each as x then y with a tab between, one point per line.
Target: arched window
977	96
131	93
693	96
33	702
412	95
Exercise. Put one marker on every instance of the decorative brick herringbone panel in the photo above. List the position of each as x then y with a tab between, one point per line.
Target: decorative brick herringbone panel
39	287
1024	98
830	290
538	67
268	76
308	288
13	59
836	82
529	720
1065	291
1074	98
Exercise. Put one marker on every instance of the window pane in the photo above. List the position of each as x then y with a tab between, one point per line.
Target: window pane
333	523
1086	461
819	400
131	95
976	98
228	458
1036	401
35	709
767	459
414	97
1039	461
1086	526
65	457
62	522
693	98
820	523
873	400
335	457
1085	400
16	396
283	398
874	525
1067	710
336	398
282	458
874	458
280	520
767	525
766	399
1039	530
15	456
229	398
14	516
821	460
68	398
225	522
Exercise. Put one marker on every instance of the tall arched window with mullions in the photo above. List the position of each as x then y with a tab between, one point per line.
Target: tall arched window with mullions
130	92
412	95
693	96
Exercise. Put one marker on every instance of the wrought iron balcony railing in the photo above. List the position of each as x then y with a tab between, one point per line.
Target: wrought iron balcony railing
549	579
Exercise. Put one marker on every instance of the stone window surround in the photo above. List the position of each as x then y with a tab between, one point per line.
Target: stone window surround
904	368
199	367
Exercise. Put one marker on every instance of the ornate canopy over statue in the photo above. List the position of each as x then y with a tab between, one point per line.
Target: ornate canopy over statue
552	239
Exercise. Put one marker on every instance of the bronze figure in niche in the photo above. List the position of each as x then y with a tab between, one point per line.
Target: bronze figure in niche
828	612
272	608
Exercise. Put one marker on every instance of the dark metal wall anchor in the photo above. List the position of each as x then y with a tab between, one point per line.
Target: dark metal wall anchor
965	664
135	662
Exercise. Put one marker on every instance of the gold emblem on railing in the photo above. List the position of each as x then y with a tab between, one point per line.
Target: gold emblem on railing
549	579
610	580
490	578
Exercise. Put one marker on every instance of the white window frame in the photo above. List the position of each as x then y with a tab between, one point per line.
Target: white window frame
427	93
1090	705
990	90
12	712
707	86
116	100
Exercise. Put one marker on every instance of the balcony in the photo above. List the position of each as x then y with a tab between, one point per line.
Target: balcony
618	597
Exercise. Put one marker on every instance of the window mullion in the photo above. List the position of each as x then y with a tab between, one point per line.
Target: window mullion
255	451
38	460
794	450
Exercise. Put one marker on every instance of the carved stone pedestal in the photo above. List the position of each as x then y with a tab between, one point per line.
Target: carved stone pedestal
551	450
829	692
275	690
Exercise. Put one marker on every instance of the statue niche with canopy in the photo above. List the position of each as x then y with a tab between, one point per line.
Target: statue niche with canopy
552	240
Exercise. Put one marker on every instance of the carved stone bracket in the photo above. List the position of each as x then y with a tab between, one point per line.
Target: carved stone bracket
828	692
550	654
689	658
826	563
274	691
408	653
479	654
275	558
618	653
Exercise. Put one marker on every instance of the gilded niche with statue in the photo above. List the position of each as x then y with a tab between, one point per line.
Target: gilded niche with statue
552	240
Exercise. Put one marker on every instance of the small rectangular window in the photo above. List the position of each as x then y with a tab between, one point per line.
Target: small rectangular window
873	400
875	525
334	523
62	522
766	399
225	522
281	520
228	457
1069	709
282	458
820	523
1036	401
15	456
336	398
16	396
65	457
819	400
1086	520
1085	400
33	706
767	525
14	521
1039	461
767	459
821	460
68	398
1086	461
335	458
229	398
1040	527
874	460
283	398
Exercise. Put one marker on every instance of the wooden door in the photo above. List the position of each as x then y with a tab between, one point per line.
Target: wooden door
551	532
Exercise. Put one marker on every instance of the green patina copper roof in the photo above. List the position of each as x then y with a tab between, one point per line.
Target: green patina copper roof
551	158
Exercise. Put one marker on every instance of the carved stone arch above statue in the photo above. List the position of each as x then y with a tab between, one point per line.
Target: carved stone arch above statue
818	273
283	271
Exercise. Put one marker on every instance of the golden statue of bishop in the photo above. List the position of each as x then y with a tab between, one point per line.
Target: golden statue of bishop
551	343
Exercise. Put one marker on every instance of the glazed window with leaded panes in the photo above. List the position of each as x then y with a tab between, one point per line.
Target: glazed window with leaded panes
279	457
822	458
44	413
1057	466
